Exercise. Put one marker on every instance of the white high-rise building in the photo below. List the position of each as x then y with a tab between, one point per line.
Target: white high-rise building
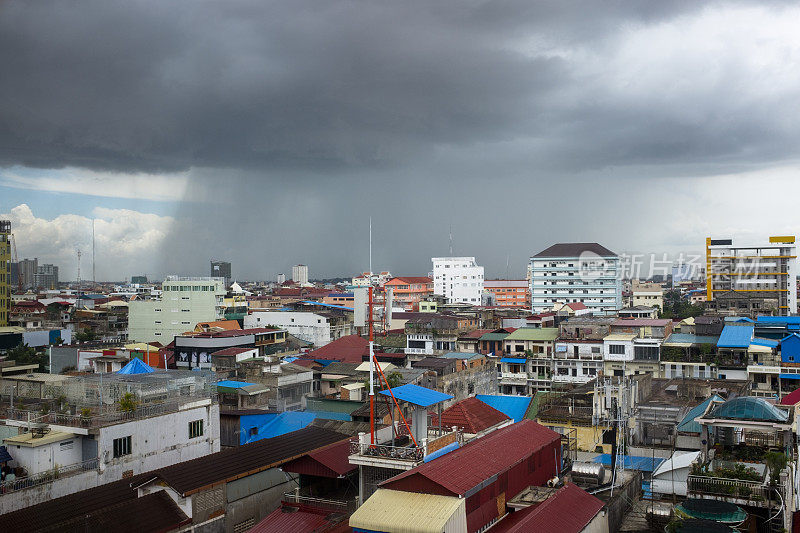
459	279
584	272
280	278
300	274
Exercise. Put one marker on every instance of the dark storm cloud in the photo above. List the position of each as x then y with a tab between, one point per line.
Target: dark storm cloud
163	86
298	119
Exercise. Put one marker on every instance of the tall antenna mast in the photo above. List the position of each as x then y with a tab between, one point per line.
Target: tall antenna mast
451	240
507	266
79	269
94	279
370	248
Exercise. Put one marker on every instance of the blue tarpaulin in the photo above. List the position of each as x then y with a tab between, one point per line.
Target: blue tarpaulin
515	360
514	407
441	451
136	366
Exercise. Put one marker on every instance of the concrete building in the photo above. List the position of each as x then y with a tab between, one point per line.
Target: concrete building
459	279
319	328
184	302
221	269
576	272
88	438
767	270
280	279
46	276
409	291
509	292
5	271
300	274
27	269
647	294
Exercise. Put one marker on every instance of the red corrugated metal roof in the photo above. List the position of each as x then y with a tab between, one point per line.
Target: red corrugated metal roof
471	415
293	518
476	334
471	465
410	280
791	398
330	461
568	510
347	349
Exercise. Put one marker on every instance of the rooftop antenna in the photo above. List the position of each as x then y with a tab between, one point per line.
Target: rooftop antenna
507	266
451	240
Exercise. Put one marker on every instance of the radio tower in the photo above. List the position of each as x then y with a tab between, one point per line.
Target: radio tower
94	279
79	269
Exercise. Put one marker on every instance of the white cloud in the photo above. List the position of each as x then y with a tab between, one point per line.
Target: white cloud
127	242
168	187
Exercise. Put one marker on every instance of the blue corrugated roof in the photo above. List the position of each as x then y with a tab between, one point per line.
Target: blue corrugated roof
749	408
735	336
790	376
689	424
632	462
417	395
778	320
136	366
517	360
513	407
769	343
233	384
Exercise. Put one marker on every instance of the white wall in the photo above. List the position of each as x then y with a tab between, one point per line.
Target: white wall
160	441
310	327
42	458
459	279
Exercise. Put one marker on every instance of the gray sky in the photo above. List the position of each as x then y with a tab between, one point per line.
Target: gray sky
268	132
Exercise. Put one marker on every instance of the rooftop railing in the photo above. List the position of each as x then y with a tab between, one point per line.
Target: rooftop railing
752	491
49	476
334	506
403	453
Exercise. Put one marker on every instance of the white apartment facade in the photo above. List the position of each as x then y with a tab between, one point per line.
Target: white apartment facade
310	327
576	272
300	274
767	268
184	302
459	279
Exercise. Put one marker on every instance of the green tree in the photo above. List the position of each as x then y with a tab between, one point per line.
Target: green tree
85	335
26	355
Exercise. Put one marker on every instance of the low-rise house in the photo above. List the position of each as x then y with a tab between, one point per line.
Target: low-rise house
194	350
319	327
82	431
483	473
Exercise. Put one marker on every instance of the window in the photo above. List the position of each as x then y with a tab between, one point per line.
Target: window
195	429
122	446
616	349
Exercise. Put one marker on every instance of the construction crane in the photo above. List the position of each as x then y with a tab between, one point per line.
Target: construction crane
15	260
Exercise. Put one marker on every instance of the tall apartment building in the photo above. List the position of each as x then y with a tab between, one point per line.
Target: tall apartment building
280	278
509	292
221	269
27	269
46	276
300	274
583	272
459	279
761	275
5	271
184	302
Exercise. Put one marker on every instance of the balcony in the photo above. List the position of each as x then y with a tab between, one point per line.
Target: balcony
514	378
734	490
43	478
